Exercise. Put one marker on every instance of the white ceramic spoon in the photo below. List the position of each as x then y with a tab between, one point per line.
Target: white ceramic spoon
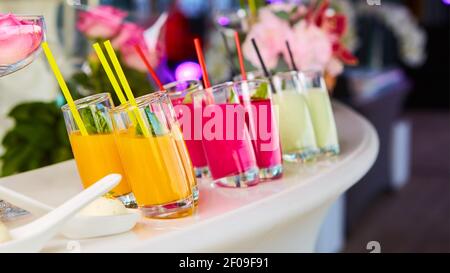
33	236
80	226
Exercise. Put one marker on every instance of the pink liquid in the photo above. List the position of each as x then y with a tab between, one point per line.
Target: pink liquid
195	147
228	156
266	142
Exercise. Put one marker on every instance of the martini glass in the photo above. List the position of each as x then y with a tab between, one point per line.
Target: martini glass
33	30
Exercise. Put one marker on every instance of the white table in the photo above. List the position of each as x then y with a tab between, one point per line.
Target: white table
280	216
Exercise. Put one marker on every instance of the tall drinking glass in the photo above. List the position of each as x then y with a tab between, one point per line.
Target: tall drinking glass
178	135
225	136
296	129
179	93
152	161
319	104
255	95
96	154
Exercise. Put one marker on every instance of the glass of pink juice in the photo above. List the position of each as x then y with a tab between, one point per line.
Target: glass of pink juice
255	96
179	93
225	136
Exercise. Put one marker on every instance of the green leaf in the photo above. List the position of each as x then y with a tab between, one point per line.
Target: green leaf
233	98
38	134
187	99
61	133
102	121
95	119
262	92
139	131
11	139
88	120
282	15
33	111
61	154
14	164
156	127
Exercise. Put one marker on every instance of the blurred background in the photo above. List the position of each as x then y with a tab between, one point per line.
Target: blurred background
401	85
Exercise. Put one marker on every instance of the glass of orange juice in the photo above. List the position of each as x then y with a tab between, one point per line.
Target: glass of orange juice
182	144
96	154
147	140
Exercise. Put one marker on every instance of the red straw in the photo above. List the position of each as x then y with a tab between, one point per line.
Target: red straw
149	67
240	55
201	59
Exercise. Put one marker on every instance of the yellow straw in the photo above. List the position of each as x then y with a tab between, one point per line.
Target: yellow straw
112	77
64	89
125	85
252	6
109	73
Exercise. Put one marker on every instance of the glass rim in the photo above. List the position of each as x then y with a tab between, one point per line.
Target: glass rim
186	91
258	73
142	101
286	74
31	16
250	81
38	18
86	101
214	88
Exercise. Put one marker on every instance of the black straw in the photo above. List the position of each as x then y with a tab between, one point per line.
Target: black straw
266	71
294	66
234	71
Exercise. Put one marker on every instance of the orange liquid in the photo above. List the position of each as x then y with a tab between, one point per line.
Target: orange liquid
154	168
185	158
96	157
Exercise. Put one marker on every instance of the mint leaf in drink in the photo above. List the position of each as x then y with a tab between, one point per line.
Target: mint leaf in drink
187	99
88	120
102	122
233	98
262	92
157	129
139	130
95	119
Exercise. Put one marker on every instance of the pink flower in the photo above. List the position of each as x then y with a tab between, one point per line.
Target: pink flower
18	38
335	67
129	36
311	46
129	33
270	33
101	22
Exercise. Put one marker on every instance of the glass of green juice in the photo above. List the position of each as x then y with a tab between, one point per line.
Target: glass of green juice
298	140
319	104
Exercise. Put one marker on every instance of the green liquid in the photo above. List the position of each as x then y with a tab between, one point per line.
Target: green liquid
296	129
323	120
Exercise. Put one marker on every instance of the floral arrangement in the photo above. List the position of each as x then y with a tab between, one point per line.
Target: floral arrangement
315	33
322	35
